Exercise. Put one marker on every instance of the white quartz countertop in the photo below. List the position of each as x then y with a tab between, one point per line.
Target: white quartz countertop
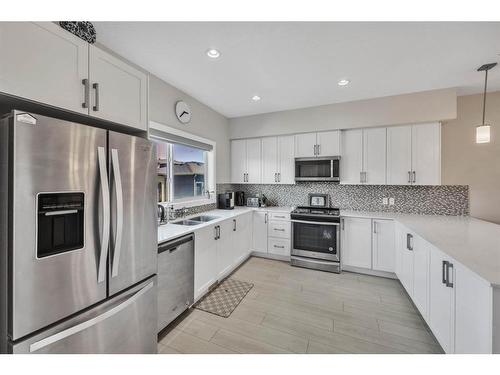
472	242
170	231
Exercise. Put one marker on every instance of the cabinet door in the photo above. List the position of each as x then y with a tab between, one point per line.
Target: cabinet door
286	159
384	248
121	95
352	157
426	154
374	156
441	303
226	252
407	262
238	161
44	63
254	170
421	254
473	313
242	239
269	160
305	145
399	155
328	143
356	242
205	260
400	241
259	236
279	246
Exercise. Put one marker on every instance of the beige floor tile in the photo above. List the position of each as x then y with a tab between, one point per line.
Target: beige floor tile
244	344
186	343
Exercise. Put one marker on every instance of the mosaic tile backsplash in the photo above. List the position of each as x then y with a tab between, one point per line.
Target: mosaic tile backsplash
428	200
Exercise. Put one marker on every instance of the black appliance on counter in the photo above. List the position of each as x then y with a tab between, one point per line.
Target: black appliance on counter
239	198
225	201
316	235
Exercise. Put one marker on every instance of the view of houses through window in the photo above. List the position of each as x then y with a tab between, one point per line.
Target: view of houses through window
182	172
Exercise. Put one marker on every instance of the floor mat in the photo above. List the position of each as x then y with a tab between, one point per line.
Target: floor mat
225	298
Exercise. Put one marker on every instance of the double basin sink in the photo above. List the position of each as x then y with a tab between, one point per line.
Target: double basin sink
195	220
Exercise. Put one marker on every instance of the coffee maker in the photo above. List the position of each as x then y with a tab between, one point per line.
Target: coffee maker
225	201
239	198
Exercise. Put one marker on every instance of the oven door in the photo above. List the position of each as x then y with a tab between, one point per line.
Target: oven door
318	240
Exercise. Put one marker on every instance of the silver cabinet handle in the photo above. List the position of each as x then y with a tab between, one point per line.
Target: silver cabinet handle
375	227
443	271
265	218
343	224
414	176
218	232
215	232
101	272
234	225
409	177
89	323
409	239
95	86
365	179
449	266
86	85
279	217
319	149
279	247
275	177
315	153
119	211
279	176
278	230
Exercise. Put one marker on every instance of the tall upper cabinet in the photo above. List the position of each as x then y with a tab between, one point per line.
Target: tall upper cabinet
317	144
246	161
278	160
414	154
363	156
43	63
46	64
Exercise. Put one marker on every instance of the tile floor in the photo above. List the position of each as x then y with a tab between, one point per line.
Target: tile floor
296	310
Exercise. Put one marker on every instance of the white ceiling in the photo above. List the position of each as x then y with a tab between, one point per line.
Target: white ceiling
293	64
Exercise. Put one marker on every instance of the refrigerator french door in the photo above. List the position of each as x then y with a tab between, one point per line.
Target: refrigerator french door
79	200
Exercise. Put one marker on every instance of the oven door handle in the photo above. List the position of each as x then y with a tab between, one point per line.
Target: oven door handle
315	222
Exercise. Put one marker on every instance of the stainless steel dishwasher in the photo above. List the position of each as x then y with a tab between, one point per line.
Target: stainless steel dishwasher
175	278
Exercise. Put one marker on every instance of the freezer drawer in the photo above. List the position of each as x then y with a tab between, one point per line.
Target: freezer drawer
175	278
124	324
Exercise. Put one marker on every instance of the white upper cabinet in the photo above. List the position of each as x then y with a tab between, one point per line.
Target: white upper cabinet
426	154
305	145
270	160
374	156
317	144
414	154
238	161
43	63
399	155
119	91
286	159
246	161
351	162
328	143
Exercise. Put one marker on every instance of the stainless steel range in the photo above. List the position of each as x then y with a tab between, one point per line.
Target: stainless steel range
316	235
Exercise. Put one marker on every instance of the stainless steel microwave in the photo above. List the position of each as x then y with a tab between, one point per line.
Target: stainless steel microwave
317	169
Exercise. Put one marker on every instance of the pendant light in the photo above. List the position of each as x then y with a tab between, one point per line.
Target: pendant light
483	130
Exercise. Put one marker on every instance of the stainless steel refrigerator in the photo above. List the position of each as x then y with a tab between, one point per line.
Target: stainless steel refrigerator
78	238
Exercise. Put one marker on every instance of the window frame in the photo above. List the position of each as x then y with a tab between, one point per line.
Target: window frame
210	159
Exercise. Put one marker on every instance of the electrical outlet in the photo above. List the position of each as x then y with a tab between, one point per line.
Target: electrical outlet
391	201
385	201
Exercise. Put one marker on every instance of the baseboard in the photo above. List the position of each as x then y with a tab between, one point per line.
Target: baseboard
365	271
270	256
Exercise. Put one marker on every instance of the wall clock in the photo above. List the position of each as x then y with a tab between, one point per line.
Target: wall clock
183	112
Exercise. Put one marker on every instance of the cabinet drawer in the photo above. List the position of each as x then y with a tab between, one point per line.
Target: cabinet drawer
278	246
280	229
279	216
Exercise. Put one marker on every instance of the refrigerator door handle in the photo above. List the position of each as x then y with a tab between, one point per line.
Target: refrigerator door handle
119	211
89	323
101	273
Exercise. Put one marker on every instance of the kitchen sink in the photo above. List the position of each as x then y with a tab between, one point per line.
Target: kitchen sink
187	222
204	218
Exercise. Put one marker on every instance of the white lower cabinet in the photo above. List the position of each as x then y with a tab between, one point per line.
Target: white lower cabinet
259	235
225	249
442	300
421	260
205	259
242	237
356	249
383	245
278	246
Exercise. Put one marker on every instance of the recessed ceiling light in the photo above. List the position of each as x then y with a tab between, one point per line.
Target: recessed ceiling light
343	82
213	53
256	98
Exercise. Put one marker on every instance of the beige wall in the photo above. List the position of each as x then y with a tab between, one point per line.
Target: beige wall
401	109
478	165
205	122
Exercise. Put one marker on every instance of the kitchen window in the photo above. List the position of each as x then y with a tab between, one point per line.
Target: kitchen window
185	174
